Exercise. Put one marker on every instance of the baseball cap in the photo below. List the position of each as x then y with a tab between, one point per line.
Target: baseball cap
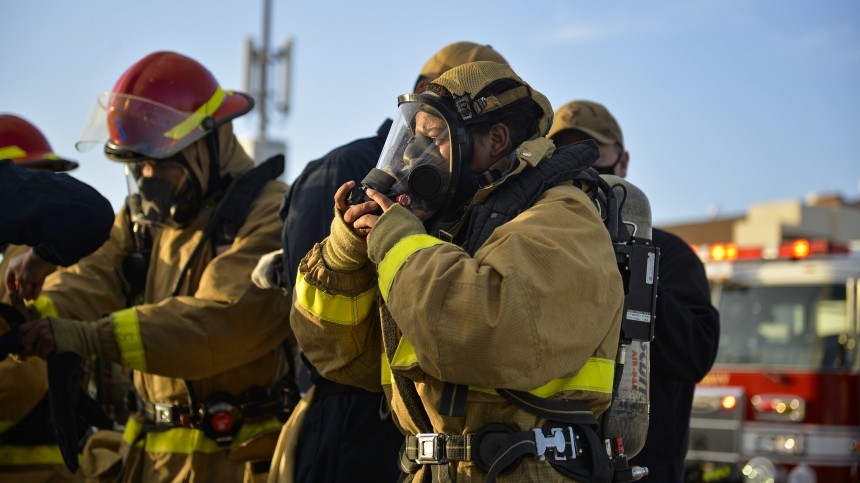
589	117
459	53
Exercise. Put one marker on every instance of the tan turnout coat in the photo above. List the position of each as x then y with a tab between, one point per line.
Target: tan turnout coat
536	303
221	332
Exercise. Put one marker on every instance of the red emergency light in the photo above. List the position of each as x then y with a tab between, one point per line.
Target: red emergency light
795	250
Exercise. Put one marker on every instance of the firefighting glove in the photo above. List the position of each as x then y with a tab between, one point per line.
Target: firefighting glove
72	410
76	336
343	250
269	272
394	225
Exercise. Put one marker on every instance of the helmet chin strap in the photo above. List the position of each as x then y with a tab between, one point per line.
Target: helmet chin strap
215	185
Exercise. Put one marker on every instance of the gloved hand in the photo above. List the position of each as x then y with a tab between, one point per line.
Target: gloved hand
43	337
343	250
269	272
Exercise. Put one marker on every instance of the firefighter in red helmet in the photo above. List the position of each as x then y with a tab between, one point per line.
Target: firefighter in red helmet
62	219
209	350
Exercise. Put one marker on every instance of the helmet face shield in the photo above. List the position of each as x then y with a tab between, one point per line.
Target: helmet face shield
421	157
132	127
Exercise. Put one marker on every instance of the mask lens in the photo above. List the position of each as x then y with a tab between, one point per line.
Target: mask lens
417	158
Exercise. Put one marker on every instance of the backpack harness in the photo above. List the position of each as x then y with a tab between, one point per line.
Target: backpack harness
221	229
570	440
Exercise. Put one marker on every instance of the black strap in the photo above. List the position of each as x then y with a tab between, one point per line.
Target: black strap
70	405
233	207
411	399
452	401
563	410
229	216
404	385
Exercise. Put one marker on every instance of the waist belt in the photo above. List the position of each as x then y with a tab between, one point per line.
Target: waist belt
438	448
167	415
220	417
571	449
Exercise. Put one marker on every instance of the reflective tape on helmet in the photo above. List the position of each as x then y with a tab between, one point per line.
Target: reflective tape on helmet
43	454
196	118
12	152
126	331
595	376
188	440
397	256
338	309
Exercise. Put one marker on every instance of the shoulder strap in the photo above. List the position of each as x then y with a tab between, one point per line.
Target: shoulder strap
571	163
233	208
229	216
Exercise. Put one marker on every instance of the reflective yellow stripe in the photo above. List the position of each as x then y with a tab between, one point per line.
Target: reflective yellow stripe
12	152
186	440
595	376
387	376
404	355
43	454
126	330
397	256
339	309
196	119
45	306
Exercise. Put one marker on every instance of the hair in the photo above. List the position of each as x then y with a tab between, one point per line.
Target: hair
521	117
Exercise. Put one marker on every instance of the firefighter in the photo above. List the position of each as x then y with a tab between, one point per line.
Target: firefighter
687	325
476	322
207	348
325	446
64	220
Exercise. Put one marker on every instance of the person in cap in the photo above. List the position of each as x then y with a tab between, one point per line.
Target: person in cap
486	288
327	449
61	219
687	325
167	296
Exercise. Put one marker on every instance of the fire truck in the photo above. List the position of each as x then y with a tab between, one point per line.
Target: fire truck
782	402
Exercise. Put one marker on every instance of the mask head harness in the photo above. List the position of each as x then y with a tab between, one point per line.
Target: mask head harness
425	163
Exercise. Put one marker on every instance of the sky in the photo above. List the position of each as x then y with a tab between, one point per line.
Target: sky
722	104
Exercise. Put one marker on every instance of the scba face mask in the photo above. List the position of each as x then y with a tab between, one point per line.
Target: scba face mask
422	163
165	192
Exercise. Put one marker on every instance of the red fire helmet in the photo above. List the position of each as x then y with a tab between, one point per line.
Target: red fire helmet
24	143
161	104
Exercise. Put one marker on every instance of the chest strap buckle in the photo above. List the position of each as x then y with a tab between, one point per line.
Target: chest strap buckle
431	449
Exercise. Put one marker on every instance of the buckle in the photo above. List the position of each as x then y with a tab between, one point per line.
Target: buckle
431	449
163	414
556	443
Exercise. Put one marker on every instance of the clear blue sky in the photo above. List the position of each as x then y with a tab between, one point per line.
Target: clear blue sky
722	104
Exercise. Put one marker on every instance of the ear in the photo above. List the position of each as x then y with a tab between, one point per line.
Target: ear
499	139
621	169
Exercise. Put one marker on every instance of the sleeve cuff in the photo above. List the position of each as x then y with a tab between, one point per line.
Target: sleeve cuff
394	225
